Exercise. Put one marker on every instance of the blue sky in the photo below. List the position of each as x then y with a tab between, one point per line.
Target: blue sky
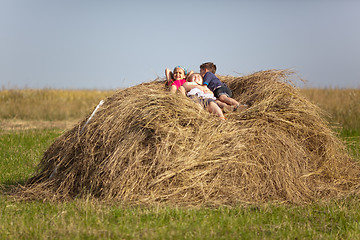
109	44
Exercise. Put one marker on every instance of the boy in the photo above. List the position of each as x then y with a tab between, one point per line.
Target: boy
220	90
202	94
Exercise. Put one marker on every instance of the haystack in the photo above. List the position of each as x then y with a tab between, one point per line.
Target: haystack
145	145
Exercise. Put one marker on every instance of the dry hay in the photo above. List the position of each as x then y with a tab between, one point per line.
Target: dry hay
146	146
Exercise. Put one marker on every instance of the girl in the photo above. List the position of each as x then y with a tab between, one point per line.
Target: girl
176	79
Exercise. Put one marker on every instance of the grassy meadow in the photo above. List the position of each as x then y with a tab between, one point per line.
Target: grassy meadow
21	150
341	106
48	104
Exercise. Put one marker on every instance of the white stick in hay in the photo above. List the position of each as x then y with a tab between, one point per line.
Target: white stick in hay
82	129
93	113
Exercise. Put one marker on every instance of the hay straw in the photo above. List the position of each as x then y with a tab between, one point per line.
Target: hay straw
145	145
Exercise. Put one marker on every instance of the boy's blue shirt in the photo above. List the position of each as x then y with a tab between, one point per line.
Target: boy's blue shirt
212	81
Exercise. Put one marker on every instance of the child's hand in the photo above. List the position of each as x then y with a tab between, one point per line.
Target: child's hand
169	75
207	90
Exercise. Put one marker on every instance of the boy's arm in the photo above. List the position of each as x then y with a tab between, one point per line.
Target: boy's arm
206	79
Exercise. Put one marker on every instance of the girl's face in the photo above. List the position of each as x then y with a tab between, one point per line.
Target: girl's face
179	74
196	78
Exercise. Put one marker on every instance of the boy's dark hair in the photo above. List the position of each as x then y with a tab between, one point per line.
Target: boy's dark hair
209	66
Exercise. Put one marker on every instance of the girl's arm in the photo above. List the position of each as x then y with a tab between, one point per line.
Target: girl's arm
189	74
188	86
168	74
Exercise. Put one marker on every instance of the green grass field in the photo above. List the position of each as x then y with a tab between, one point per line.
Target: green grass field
21	151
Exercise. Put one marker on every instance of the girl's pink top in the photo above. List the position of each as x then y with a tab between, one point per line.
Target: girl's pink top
178	83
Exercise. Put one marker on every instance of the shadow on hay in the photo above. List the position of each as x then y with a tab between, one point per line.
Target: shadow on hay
145	146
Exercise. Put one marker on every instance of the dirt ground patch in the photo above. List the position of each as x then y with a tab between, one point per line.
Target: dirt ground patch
11	124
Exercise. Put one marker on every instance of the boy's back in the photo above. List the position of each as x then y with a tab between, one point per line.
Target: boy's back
212	81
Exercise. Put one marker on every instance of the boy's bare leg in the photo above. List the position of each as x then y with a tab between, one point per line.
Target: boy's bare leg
228	100
225	107
242	107
220	103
